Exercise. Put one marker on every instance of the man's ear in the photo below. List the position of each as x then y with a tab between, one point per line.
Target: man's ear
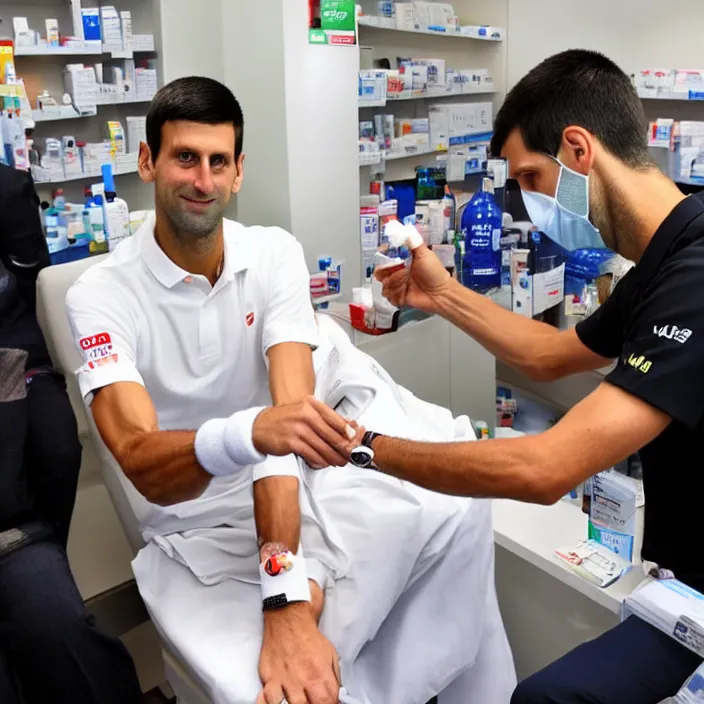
240	174
145	165
577	149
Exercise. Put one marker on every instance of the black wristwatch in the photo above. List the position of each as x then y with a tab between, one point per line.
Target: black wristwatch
363	456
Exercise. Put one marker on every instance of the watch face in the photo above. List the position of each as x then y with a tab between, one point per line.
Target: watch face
362	457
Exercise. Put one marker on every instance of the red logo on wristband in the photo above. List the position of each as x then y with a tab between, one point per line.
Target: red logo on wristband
276	564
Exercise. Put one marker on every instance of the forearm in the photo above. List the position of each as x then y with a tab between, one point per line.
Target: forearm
511	469
518	341
163	467
276	511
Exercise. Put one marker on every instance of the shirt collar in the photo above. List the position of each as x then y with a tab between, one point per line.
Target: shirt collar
669	234
167	273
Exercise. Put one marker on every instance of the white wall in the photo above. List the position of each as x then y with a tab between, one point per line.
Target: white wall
191	38
253	68
300	112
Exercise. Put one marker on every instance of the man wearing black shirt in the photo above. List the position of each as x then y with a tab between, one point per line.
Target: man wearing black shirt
573	132
50	647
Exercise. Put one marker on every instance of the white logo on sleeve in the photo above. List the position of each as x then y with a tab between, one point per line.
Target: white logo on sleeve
672	332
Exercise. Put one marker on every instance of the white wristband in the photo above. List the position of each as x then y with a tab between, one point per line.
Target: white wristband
238	437
215	438
286	587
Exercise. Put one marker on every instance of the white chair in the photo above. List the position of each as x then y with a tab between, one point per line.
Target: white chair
130	506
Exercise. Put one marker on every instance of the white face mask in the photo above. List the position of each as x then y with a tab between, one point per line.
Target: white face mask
564	218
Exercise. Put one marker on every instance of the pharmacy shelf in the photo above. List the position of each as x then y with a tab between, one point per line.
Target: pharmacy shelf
690	181
39	116
396	157
45	50
424	96
85	50
318	300
371	23
84	177
691	97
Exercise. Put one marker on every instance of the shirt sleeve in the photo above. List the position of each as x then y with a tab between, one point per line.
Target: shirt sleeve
663	350
289	316
603	332
105	332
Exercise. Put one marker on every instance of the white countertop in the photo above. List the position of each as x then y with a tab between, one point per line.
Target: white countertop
532	533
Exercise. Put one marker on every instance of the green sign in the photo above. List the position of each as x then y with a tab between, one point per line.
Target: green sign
337	15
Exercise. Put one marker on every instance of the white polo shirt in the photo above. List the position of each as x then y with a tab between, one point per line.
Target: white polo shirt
198	349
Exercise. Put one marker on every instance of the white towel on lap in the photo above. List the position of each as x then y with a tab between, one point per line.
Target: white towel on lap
410	585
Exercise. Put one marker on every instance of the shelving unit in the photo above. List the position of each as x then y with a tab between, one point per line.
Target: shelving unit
42	68
40	116
86	177
424	96
371	23
683	97
46	50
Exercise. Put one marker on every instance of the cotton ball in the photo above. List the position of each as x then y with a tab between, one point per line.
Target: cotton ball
402	235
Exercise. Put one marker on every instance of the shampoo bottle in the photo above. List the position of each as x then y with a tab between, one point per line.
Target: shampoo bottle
117	214
481	230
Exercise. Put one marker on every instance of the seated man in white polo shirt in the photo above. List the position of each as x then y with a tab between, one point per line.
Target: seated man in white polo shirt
197	336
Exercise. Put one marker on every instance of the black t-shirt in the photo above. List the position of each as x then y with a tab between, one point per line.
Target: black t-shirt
654	323
23	253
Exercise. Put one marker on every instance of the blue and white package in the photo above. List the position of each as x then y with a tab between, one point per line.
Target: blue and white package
612	514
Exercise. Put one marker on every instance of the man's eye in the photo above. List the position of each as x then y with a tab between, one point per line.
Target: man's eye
218	161
186	157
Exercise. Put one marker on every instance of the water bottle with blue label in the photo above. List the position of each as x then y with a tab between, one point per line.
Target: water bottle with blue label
481	231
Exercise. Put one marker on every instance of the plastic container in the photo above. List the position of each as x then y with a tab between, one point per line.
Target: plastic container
481	232
115	210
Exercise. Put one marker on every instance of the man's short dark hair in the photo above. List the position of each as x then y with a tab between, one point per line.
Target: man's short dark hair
196	99
575	87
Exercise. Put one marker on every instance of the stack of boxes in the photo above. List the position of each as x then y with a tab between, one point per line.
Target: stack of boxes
428	17
421	78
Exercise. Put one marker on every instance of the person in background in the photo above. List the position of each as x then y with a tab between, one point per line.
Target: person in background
573	132
50	647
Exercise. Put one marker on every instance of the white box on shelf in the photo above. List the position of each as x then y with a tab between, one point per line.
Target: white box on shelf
126	28
439	127
52	32
419	71
416	142
143	42
483	32
146	83
136	132
77	19
24	36
436	76
107	94
110	26
688	80
126	163
405	15
473	79
80	84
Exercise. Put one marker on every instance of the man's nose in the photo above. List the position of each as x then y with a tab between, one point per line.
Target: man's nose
204	181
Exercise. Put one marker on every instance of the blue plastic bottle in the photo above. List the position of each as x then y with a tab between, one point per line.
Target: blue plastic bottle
481	230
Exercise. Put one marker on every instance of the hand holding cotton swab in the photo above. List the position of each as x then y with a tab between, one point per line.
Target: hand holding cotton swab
400	235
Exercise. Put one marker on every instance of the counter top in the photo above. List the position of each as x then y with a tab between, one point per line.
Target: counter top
532	533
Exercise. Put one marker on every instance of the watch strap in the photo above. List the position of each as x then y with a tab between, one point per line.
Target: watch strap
369	437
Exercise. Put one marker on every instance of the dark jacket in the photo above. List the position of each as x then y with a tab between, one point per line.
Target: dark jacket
23	253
